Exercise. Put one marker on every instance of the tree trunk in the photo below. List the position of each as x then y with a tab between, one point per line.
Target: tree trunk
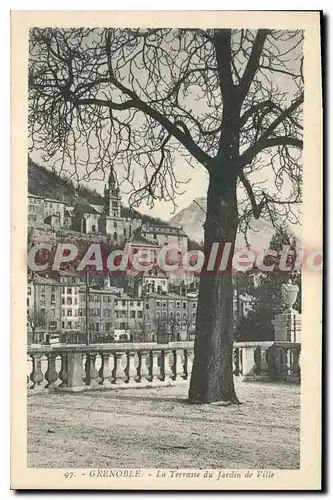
212	373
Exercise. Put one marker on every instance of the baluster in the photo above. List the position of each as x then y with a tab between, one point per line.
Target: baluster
131	369
288	362
166	366
297	367
51	374
36	375
91	372
155	369
105	372
118	372
235	361
189	356
29	371
143	369
63	374
177	366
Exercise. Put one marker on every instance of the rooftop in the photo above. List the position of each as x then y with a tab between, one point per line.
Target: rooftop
156	428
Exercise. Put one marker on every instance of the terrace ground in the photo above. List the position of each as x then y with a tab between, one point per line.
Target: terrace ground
156	428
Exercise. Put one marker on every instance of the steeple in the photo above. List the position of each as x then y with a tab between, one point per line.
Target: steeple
112	196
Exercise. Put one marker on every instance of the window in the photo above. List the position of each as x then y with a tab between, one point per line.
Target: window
178	304
184	305
194	305
52	313
69	312
42	313
82	298
164	314
62	324
115	225
69	324
123	302
52	298
42	288
69	290
63	288
29	290
138	303
28	302
171	304
147	306
164	303
53	324
140	315
63	301
132	314
171	314
184	315
69	301
131	303
53	288
193	315
178	314
42	299
158	303
63	312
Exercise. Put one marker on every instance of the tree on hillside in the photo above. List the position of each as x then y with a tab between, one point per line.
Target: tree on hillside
229	100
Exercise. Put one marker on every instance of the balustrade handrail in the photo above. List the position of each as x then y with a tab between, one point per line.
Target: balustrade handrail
97	348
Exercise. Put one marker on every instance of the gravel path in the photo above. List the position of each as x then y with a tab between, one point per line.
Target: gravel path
156	428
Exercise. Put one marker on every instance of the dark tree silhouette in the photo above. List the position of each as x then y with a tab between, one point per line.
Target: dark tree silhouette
230	100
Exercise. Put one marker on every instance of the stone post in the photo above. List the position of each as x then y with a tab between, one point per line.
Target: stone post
74	372
248	363
287	325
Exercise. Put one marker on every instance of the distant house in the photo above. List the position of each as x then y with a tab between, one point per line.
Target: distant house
86	218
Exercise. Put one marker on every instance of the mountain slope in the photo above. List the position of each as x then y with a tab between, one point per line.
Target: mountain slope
192	218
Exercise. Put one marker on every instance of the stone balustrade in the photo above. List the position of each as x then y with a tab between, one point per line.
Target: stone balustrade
106	366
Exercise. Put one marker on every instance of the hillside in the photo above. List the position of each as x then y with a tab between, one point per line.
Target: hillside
46	183
192	218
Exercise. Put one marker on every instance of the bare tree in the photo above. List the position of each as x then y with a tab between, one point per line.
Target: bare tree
230	100
174	327
35	320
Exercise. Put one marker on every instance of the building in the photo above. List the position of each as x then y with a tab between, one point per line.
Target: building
170	316
86	218
165	235
43	308
70	286
35	210
45	211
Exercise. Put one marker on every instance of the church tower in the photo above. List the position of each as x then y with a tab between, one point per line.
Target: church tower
112	196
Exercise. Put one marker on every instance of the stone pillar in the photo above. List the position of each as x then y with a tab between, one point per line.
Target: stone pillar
287	325
74	372
248	363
